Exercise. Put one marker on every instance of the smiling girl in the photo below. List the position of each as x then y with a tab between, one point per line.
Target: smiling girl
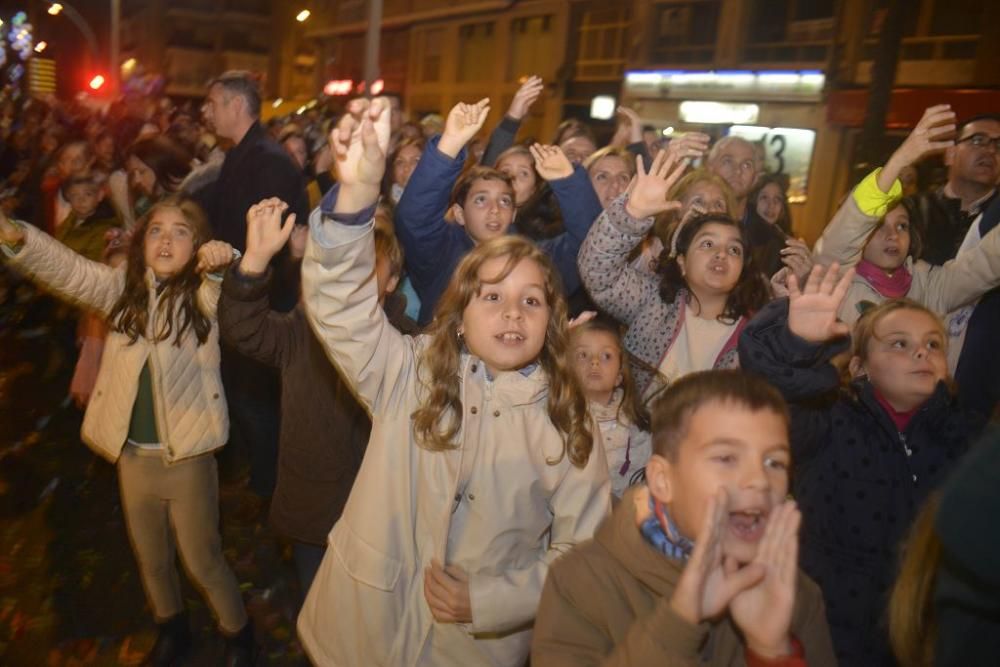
866	458
481	469
158	410
688	317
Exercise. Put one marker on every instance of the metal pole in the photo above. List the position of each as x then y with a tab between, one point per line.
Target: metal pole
84	27
372	44
115	71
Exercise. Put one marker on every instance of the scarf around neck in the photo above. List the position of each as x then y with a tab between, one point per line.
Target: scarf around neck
895	286
659	530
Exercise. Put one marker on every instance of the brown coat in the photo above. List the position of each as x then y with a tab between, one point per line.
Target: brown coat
607	603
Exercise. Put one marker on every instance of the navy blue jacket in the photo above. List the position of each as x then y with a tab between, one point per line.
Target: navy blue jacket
433	246
858	481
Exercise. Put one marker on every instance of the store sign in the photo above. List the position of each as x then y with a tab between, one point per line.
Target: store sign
751	85
712	113
787	150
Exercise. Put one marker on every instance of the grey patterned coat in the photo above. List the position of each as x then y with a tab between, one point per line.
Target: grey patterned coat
633	296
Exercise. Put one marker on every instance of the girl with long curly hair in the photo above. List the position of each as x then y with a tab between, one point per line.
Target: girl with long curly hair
157	410
481	468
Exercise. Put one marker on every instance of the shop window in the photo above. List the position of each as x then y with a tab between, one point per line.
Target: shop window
476	51
530	47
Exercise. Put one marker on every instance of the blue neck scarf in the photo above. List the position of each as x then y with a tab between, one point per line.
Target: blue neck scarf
660	531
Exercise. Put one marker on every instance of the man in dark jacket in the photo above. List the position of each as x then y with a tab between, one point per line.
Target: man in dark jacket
254	169
969	196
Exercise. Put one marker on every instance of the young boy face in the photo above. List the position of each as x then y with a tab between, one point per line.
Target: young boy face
730	446
487	211
83	199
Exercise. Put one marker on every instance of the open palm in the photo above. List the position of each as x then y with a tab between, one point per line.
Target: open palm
812	312
648	195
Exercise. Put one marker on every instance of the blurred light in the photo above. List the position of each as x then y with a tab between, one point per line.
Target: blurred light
301	110
55	8
277	103
338	87
719	113
303	15
377	86
96	82
602	107
19	18
668	131
40	46
130	63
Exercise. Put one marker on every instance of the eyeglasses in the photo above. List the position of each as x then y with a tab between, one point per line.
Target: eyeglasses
980	140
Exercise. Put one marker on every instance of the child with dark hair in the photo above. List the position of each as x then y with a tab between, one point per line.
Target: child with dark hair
699	565
866	458
482	206
622	420
689	316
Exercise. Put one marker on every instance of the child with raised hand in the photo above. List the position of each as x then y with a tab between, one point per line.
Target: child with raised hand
623	424
699	565
688	317
866	457
878	232
481	469
482	206
157	410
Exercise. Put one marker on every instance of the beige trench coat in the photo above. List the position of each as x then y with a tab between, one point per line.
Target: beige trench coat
493	505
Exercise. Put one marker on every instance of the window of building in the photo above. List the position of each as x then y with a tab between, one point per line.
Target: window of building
430	44
685	32
476	51
530	47
789	31
603	34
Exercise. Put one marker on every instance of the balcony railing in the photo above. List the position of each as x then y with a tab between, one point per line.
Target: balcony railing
940	47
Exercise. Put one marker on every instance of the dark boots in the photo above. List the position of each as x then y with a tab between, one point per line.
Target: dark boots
241	651
173	642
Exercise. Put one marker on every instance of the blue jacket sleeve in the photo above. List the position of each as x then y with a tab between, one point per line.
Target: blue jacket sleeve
580	207
420	224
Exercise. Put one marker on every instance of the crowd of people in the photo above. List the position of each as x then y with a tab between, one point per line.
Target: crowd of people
583	404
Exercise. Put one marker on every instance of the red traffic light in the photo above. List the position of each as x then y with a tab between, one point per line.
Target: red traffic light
97	82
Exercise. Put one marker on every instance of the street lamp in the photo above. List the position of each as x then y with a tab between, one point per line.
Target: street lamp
303	16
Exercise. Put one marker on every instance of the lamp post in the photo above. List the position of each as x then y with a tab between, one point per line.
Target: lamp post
55	8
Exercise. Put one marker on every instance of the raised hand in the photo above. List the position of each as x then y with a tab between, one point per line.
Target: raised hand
648	192
764	612
551	162
446	590
582	318
629	130
9	232
812	312
464	121
927	137
692	145
797	257
265	234
709	580
360	143
213	256
297	241
525	96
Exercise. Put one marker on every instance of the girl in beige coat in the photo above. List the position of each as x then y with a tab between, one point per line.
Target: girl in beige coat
481	468
157	410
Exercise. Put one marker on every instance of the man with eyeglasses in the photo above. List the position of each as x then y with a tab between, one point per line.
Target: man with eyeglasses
734	160
954	218
973	168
